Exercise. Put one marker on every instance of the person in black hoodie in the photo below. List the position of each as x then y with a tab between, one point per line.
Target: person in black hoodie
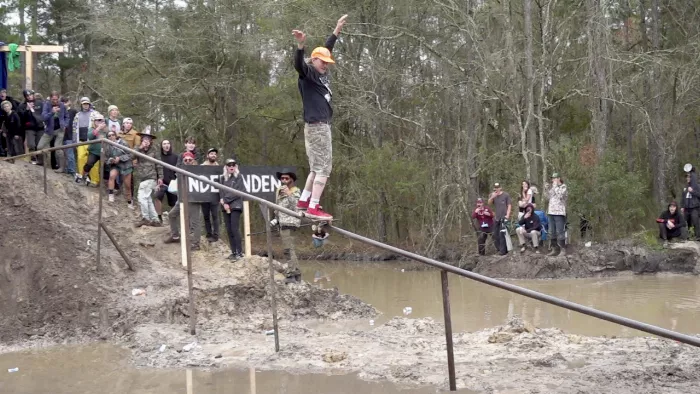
690	205
32	123
530	227
672	224
232	205
5	97
167	155
15	134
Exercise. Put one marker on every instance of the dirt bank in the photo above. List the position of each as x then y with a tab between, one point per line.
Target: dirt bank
50	292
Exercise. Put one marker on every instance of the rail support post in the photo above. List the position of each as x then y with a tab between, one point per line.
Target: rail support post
448	330
101	192
273	288
43	155
182	189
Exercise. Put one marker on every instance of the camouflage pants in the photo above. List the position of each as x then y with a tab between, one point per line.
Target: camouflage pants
319	148
287	235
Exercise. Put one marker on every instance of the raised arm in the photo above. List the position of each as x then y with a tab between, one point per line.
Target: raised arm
330	42
299	64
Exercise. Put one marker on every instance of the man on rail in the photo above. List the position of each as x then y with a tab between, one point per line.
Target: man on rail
316	94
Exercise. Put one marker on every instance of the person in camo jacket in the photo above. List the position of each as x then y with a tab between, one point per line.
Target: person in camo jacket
287	196
150	174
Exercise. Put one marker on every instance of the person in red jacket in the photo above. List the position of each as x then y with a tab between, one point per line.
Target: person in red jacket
482	219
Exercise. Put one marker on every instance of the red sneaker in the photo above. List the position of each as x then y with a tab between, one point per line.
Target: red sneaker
302	205
318	214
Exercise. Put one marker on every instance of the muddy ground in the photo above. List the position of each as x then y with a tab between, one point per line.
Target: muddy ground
51	292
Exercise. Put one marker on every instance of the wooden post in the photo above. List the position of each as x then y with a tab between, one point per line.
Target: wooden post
252	380
273	287
448	331
189	382
43	155
185	241
101	192
29	51
246	228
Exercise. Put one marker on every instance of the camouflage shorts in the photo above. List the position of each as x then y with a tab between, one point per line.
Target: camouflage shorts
319	148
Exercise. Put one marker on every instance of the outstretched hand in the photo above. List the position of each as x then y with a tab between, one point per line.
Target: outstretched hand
340	24
300	36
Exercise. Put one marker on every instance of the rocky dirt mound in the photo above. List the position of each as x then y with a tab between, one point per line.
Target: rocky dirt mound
50	287
583	262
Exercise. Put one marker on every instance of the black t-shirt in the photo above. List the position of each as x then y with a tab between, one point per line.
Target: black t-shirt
315	88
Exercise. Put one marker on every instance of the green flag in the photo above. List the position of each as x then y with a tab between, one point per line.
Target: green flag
13	62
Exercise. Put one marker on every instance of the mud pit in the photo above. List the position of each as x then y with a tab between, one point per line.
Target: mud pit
51	293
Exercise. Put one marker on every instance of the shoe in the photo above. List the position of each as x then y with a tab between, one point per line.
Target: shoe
194	247
210	239
240	255
666	244
155	223
87	180
143	222
172	240
130	206
318	214
78	178
555	250
111	198
33	161
233	257
522	248
302	205
537	250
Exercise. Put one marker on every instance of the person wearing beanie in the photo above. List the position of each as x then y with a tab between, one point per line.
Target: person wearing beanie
482	220
113	121
672	224
83	124
32	123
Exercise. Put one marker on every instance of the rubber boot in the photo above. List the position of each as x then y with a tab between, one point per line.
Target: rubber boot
562	247
555	249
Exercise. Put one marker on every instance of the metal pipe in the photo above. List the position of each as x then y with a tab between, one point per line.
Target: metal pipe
101	192
183	193
662	332
273	288
114	242
46	150
448	330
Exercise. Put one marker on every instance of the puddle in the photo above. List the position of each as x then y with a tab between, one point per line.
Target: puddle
668	301
105	369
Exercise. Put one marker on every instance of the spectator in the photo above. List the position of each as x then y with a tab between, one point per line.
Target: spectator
166	155
690	206
558	195
113	122
316	95
82	123
188	159
130	134
150	175
190	146
13	125
319	236
94	150
672	224
232	206
502	205
530	227
287	195
5	97
56	119
482	220
39	102
68	137
527	196
33	123
209	210
119	163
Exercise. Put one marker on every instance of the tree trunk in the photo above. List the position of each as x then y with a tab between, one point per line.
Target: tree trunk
658	134
599	104
530	131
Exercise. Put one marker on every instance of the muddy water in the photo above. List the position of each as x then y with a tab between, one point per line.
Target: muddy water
667	301
105	369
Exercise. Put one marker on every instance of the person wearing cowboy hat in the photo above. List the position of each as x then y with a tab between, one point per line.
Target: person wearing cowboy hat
150	175
287	195
209	210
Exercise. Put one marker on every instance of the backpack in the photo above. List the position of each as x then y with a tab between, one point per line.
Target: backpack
544	222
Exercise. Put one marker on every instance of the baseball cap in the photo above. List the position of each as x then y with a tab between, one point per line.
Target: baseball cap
322	53
188	155
478	200
556	175
212	150
84	100
496	184
229	161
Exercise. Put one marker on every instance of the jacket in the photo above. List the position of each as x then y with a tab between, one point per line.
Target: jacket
76	129
483	219
691	199
12	124
235	182
132	138
170	158
68	136
289	202
124	157
532	223
558	195
677	218
50	119
146	169
30	120
315	88
94	134
207	163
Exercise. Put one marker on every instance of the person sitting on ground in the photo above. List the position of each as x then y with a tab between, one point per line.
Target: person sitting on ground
287	196
672	224
13	125
232	205
482	220
530	227
150	175
526	197
168	156
195	230
94	150
119	163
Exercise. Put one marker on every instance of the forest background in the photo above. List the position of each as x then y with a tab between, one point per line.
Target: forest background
435	100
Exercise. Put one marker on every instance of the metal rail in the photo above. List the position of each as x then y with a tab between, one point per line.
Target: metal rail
648	328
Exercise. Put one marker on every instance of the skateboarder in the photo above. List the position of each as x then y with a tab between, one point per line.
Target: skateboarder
316	94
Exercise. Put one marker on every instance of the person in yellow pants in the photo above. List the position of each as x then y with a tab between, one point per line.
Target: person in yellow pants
83	122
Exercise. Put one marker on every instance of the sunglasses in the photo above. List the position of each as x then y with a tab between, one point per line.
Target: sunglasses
99	120
110	135
231	165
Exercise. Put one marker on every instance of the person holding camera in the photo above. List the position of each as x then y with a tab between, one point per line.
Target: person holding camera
482	219
287	195
502	205
558	195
